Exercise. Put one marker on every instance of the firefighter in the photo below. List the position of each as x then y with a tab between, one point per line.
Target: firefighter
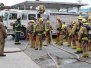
65	36
83	37
78	44
31	32
3	35
72	35
48	29
89	31
58	29
69	35
39	30
17	31
62	34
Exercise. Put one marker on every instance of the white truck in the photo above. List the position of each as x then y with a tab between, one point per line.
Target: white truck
27	15
65	17
11	16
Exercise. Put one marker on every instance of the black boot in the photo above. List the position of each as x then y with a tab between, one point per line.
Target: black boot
2	55
78	52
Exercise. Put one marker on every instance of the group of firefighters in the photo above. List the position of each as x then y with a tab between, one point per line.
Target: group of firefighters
77	34
38	33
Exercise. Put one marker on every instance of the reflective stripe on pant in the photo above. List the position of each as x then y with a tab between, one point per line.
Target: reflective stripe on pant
17	37
85	48
78	46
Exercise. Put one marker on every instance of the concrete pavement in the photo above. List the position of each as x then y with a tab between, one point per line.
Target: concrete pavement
16	60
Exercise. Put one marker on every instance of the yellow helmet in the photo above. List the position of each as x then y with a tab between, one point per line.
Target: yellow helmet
85	23
64	26
32	21
89	18
73	22
84	20
40	19
48	22
80	17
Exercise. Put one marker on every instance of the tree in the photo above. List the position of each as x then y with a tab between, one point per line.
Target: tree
1	6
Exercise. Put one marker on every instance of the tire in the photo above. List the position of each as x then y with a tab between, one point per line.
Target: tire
23	33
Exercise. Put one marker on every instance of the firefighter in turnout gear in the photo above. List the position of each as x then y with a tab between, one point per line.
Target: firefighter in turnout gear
89	31
17	31
48	29
59	28
39	30
72	35
3	35
31	33
69	34
78	44
62	34
83	37
65	36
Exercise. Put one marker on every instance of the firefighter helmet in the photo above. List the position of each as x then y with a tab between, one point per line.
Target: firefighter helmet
64	26
80	17
84	20
48	22
40	9
40	19
89	18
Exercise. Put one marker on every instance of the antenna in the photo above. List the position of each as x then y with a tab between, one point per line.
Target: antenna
37	0
79	1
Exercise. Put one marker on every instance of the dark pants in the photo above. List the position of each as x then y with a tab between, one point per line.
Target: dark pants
17	37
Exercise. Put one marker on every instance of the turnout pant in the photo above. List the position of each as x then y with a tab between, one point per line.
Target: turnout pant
2	44
17	37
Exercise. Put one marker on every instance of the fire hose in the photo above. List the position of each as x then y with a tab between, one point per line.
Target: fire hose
77	56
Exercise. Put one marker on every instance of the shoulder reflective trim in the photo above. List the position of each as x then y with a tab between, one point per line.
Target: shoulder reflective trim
17	25
17	31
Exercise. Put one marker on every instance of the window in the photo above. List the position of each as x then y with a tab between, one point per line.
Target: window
31	16
5	16
24	16
72	9
63	10
13	16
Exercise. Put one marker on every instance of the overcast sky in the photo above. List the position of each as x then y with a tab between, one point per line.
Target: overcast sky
12	2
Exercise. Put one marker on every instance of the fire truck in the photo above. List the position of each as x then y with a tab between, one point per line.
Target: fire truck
11	15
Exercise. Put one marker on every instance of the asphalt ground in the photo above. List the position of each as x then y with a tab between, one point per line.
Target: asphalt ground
64	59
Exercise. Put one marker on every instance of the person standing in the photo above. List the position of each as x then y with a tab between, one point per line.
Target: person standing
48	29
31	31
17	31
3	35
39	30
59	29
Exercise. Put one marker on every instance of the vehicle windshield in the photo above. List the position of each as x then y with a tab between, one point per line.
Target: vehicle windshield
13	16
31	16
